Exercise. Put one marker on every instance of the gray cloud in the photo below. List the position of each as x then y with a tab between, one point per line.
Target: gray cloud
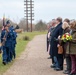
45	10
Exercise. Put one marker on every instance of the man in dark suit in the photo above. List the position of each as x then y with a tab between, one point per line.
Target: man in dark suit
53	23
58	58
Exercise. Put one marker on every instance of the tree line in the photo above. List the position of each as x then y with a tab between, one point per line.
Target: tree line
39	26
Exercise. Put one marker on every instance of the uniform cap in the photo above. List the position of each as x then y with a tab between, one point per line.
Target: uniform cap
8	22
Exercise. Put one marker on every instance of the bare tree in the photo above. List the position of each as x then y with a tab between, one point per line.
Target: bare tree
22	24
41	26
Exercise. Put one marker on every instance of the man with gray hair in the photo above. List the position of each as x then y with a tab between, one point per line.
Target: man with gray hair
53	24
58	58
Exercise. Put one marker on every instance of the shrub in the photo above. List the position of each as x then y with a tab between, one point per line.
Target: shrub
26	38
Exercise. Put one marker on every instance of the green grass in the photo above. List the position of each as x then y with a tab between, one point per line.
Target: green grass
20	47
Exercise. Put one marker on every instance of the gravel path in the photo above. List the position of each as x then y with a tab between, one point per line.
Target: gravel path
33	61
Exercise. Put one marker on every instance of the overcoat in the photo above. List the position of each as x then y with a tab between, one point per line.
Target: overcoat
57	31
49	39
64	44
71	48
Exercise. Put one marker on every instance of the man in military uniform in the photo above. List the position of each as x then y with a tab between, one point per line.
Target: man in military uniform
6	39
13	41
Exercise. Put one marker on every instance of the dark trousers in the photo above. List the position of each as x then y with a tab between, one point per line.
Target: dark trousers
56	62
52	60
73	59
6	54
47	44
60	60
68	63
14	53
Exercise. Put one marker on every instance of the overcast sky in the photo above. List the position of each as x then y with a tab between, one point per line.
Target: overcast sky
43	9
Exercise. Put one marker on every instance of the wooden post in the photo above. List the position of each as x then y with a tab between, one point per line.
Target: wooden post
28	11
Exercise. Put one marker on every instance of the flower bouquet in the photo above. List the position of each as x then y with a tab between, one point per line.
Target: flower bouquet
66	37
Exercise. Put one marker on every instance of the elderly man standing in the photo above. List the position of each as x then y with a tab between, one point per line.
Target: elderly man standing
58	58
53	24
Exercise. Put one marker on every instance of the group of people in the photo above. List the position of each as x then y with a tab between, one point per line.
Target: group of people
55	32
8	43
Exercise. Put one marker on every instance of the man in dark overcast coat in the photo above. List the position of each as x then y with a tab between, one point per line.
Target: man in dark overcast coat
58	58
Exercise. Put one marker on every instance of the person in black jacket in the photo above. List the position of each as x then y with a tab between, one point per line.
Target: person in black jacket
53	24
58	58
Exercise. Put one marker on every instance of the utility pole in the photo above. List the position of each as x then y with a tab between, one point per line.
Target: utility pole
29	12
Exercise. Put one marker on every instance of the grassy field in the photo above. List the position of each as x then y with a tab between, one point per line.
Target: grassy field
20	47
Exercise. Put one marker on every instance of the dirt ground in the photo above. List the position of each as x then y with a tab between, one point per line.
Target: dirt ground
33	61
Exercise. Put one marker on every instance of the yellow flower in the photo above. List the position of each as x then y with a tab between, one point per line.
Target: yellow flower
66	37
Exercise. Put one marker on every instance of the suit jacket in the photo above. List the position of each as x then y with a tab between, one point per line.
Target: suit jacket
8	41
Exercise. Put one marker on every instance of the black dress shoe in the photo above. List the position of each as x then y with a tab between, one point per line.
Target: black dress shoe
72	74
49	57
58	69
4	62
52	66
66	72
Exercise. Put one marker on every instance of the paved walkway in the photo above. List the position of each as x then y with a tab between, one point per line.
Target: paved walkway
33	61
